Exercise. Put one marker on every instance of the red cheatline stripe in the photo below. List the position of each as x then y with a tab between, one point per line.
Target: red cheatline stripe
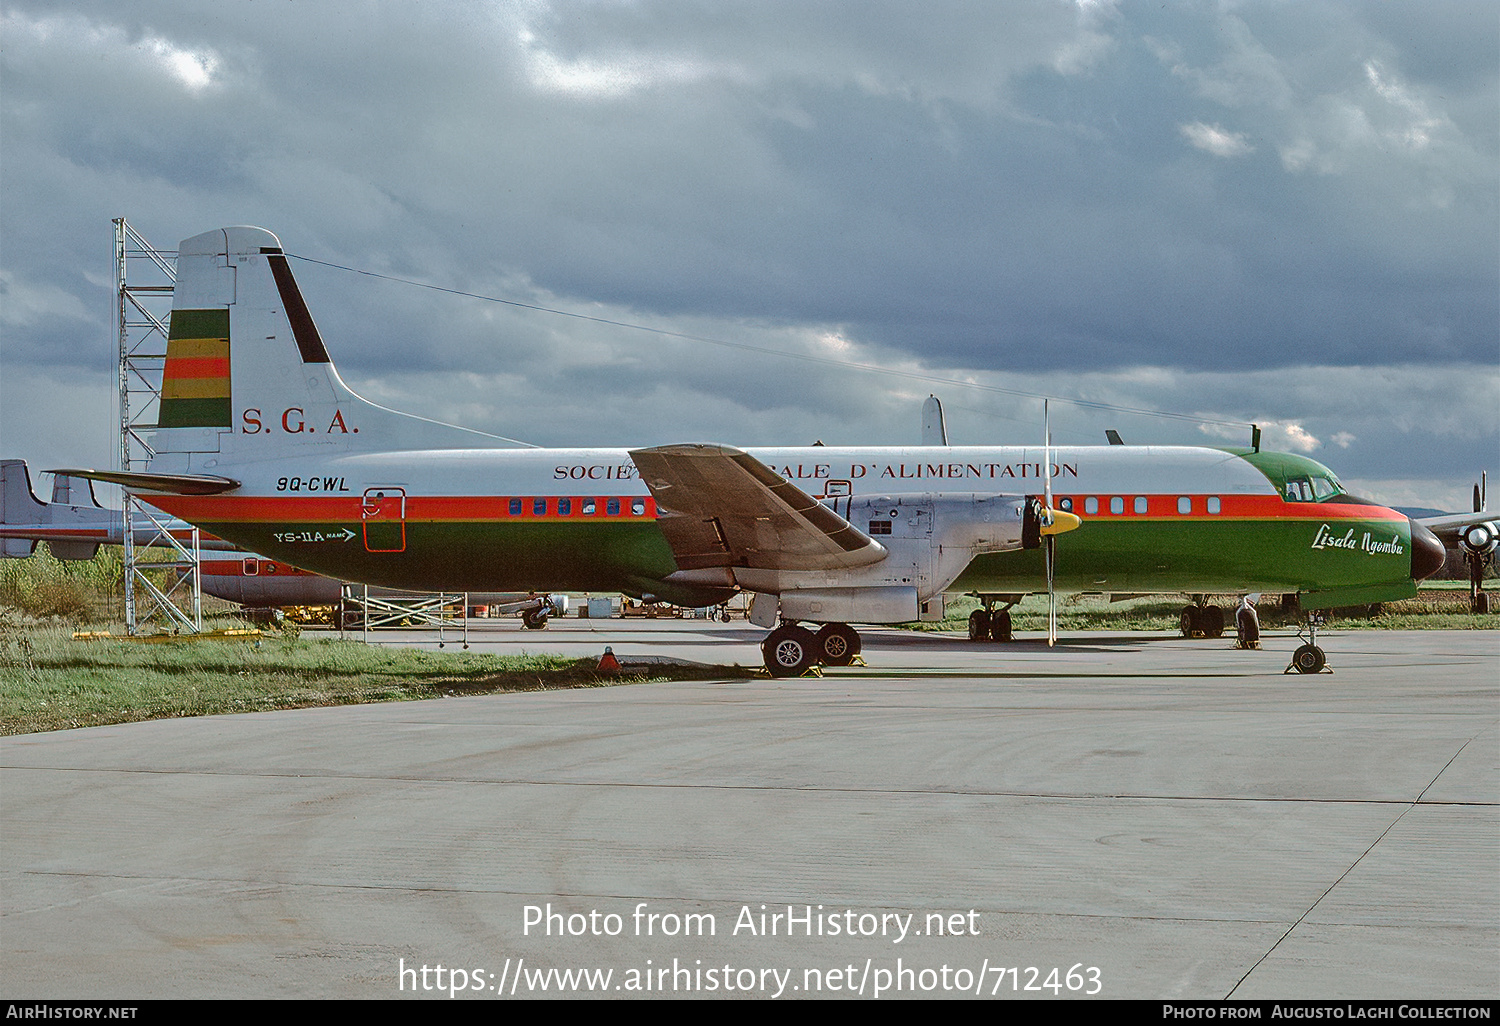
348	508
466	508
197	367
1234	507
236	568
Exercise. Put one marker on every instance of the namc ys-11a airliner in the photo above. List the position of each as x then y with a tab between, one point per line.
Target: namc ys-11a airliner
261	443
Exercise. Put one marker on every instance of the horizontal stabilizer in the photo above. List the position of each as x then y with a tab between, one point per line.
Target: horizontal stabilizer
175	484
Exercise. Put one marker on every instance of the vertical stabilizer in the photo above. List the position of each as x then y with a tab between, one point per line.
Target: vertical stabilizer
18	505
247	375
73	491
934	428
20	508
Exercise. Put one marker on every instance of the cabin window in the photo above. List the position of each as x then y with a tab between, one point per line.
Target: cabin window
589	507
638	507
1065	504
1140	504
1213	504
252	566
1116	504
515	507
1091	505
538	507
880	527
1184	504
612	508
564	507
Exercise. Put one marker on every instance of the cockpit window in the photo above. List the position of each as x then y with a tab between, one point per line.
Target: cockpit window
1313	488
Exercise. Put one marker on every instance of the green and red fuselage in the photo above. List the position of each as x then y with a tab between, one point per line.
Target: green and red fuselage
1154	519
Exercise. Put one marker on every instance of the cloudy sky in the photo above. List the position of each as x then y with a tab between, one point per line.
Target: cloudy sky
1280	212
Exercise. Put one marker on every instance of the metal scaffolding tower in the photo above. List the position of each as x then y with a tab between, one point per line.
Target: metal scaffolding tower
145	277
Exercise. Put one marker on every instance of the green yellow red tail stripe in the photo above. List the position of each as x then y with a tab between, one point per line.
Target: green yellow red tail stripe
195	381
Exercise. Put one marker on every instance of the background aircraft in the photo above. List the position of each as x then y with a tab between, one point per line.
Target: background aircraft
261	442
74	525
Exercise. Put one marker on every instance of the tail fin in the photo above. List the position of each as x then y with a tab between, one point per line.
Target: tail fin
20	507
934	429
247	374
73	491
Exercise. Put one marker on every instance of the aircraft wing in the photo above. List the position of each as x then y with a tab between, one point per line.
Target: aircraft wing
721	507
1450	526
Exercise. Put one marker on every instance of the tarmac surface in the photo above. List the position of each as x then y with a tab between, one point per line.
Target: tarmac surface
1150	817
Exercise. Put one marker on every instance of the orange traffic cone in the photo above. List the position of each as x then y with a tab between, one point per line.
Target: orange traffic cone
608	663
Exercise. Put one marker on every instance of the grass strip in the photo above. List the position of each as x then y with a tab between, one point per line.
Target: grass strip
48	681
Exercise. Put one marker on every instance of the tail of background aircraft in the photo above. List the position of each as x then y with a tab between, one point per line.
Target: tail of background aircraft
19	505
247	375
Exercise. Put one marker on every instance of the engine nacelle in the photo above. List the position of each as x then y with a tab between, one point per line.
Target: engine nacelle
1480	539
929	540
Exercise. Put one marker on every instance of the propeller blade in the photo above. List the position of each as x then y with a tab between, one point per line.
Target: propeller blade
1049	519
1051	545
1047	453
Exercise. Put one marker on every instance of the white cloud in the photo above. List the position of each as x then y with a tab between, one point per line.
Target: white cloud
195	69
1216	140
89	43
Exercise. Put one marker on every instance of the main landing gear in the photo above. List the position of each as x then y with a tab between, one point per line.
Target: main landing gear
535	619
791	649
1202	621
990	624
1479	599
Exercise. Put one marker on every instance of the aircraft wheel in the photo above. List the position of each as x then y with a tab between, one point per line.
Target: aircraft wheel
1212	622
1189	621
1000	626
534	619
789	651
838	644
1309	659
1482	602
979	625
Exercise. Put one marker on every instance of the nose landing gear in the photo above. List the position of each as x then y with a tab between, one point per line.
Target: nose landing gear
1309	658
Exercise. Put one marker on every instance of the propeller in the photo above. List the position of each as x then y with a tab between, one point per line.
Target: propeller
1049	540
1053	523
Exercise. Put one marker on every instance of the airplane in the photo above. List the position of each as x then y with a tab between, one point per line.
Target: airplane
74	525
1476	536
260	442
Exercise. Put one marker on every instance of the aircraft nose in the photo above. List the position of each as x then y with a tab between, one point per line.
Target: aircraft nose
1427	552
